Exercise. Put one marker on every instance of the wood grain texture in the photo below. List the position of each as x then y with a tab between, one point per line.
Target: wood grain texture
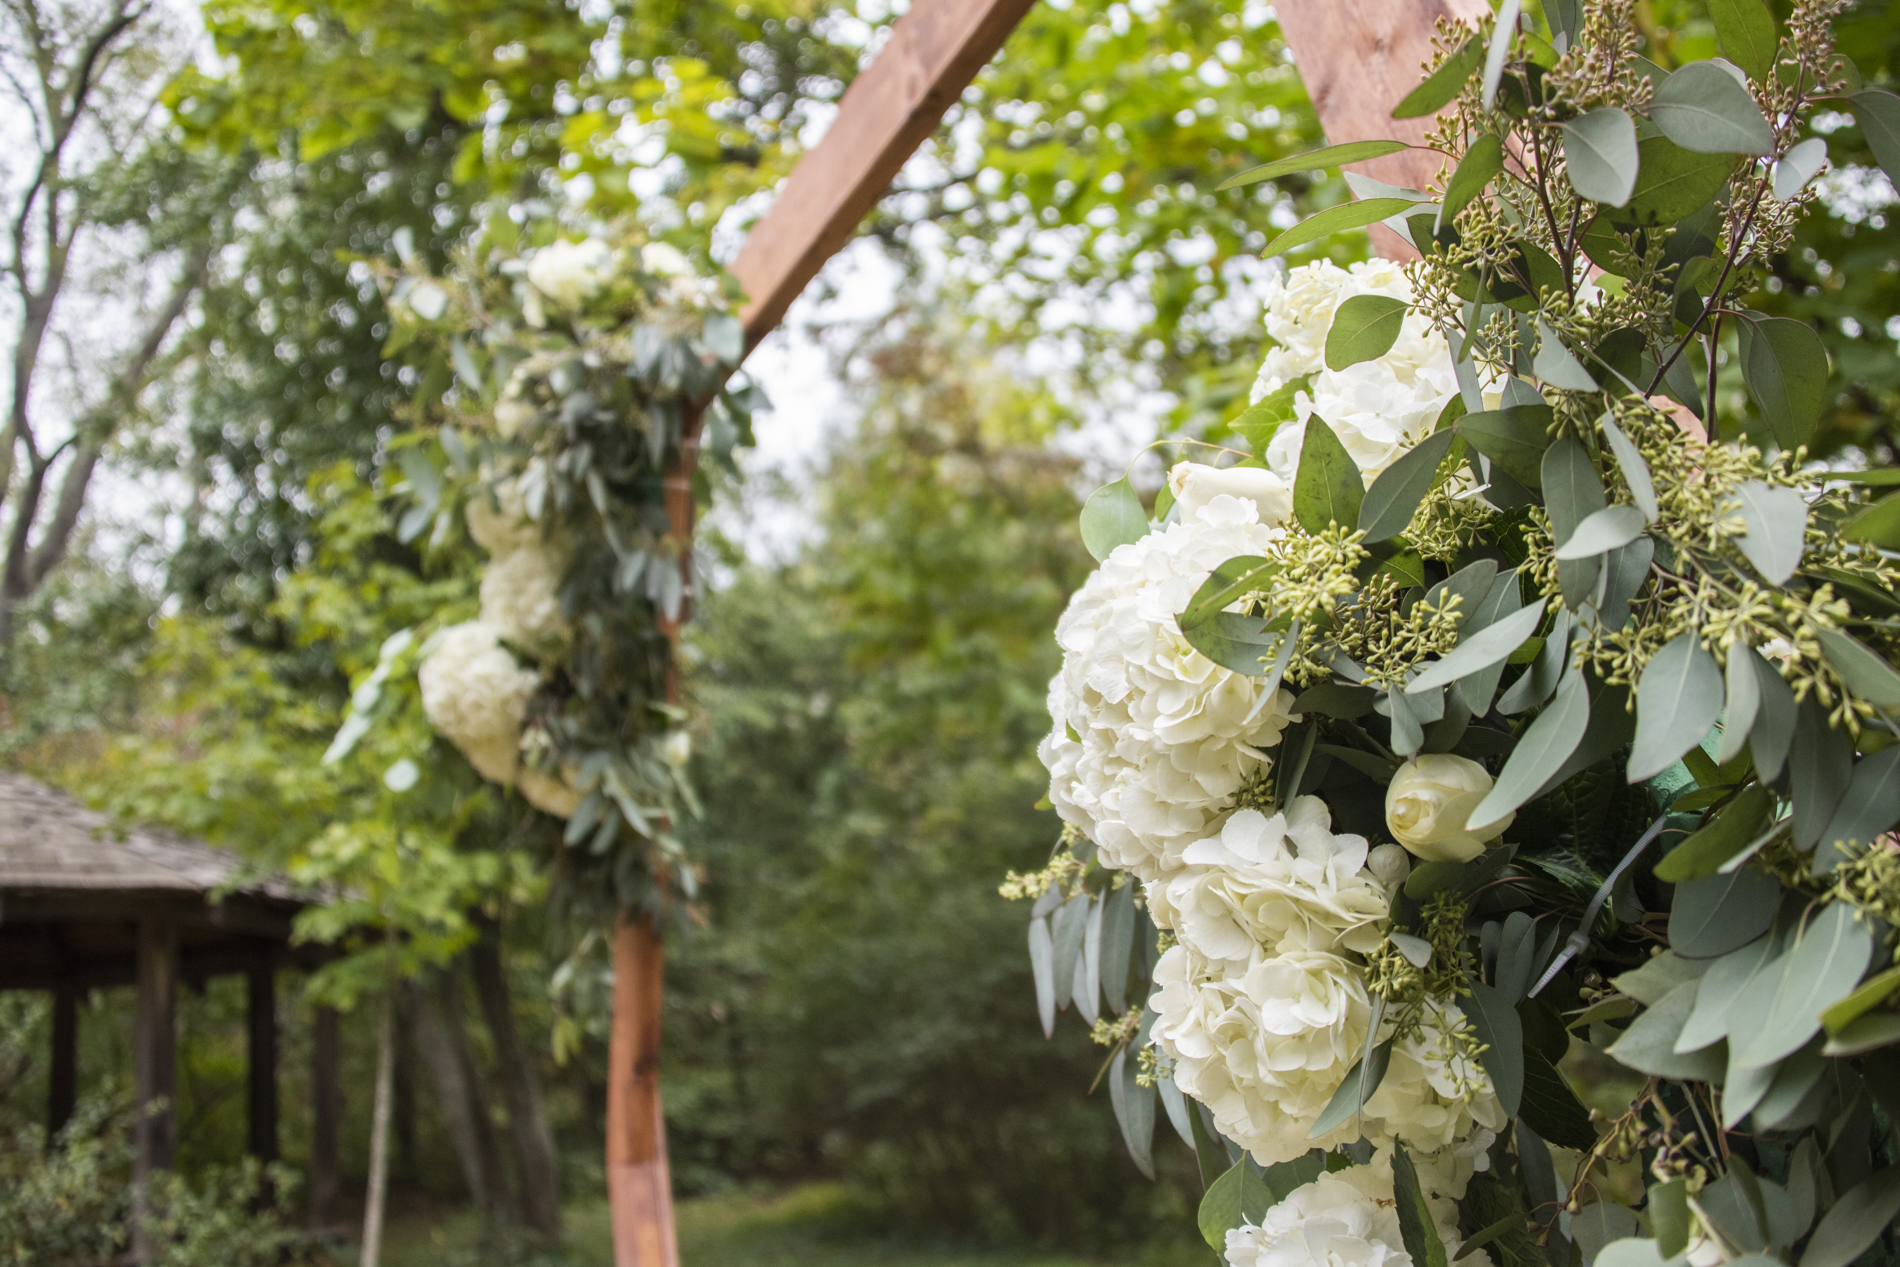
894	104
639	1189
1358	59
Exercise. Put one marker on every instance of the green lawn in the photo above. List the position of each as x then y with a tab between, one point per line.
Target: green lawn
815	1226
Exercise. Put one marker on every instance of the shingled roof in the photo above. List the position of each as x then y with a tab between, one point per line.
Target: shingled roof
49	841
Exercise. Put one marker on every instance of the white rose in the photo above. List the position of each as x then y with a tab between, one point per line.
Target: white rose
476	696
666	260
1195	485
1151	739
569	272
1429	801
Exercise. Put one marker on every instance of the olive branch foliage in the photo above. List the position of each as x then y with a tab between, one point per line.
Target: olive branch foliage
1613	575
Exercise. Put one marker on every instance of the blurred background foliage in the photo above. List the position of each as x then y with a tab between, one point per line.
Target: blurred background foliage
853	1004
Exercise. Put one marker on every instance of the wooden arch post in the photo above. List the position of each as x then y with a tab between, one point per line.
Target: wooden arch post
1357	57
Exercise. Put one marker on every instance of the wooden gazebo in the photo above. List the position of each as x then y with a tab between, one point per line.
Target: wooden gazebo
85	904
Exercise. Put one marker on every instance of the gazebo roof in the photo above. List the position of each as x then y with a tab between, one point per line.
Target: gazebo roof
74	885
49	841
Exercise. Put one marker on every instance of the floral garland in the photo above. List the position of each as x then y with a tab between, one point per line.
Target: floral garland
1505	701
561	388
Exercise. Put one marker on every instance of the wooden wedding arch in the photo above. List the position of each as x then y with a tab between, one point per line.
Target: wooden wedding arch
1357	58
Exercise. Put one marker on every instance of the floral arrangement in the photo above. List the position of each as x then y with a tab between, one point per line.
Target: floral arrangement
565	390
1513	702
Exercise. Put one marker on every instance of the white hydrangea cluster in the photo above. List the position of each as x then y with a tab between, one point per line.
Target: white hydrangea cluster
521	585
1378	408
1347	1218
571	272
476	695
1151	739
1262	1000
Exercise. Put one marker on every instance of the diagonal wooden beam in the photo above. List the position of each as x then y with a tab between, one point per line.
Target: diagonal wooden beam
891	108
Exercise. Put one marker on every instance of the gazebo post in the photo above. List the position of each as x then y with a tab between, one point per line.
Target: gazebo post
62	1092
326	1111
261	1069
155	1056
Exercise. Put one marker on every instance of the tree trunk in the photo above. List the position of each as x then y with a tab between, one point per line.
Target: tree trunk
379	1131
460	1103
536	1161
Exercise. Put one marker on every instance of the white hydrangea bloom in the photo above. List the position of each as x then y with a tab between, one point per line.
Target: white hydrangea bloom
1262	999
476	697
569	272
548	794
521	595
1151	739
1347	1218
1378	408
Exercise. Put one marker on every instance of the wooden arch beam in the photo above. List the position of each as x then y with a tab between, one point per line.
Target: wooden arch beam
1357	57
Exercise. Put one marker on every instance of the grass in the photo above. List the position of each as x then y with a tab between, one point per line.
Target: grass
820	1225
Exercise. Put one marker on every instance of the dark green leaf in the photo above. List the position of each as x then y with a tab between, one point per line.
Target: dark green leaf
1313	160
1746	31
1480	165
1329	488
1112	516
1875	991
1551	1107
1416	1226
1395	495
1439	87
1601	156
1514	439
1878	112
1711	917
1703	853
1785	366
1669	1216
1208	1151
1501	1032
1347	215
1701	107
1820	763
1335	699
1237	1197
1540	752
1678	699
1856	1220
1364	328
1673	183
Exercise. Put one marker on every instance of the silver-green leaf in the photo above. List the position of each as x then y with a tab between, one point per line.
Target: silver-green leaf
1543	748
1702	108
1777	520
1112	516
1600	156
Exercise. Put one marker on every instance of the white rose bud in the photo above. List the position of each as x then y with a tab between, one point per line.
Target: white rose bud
1194	485
1428	802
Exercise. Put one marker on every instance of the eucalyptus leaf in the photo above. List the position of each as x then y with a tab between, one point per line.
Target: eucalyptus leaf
1723	981
1856	1220
1867	809
1134	1109
1042	965
1514	439
1395	495
1477	169
1878	113
1364	328
1785	366
1744	702
1438	88
1820	764
1313	160
1865	674
1502	36
1869	995
1777	520
1601	156
1673	184
1746	31
1556	365
1111	517
1540	752
1240	1196
1603	531
1653	980
1489	646
1649	1044
1118	943
1545	673
1347	215
1358	1086
1329	488
1701	108
1709	918
1237	642
1678	699
1798	166
1775	716
1878	523
1703	854
1071	926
